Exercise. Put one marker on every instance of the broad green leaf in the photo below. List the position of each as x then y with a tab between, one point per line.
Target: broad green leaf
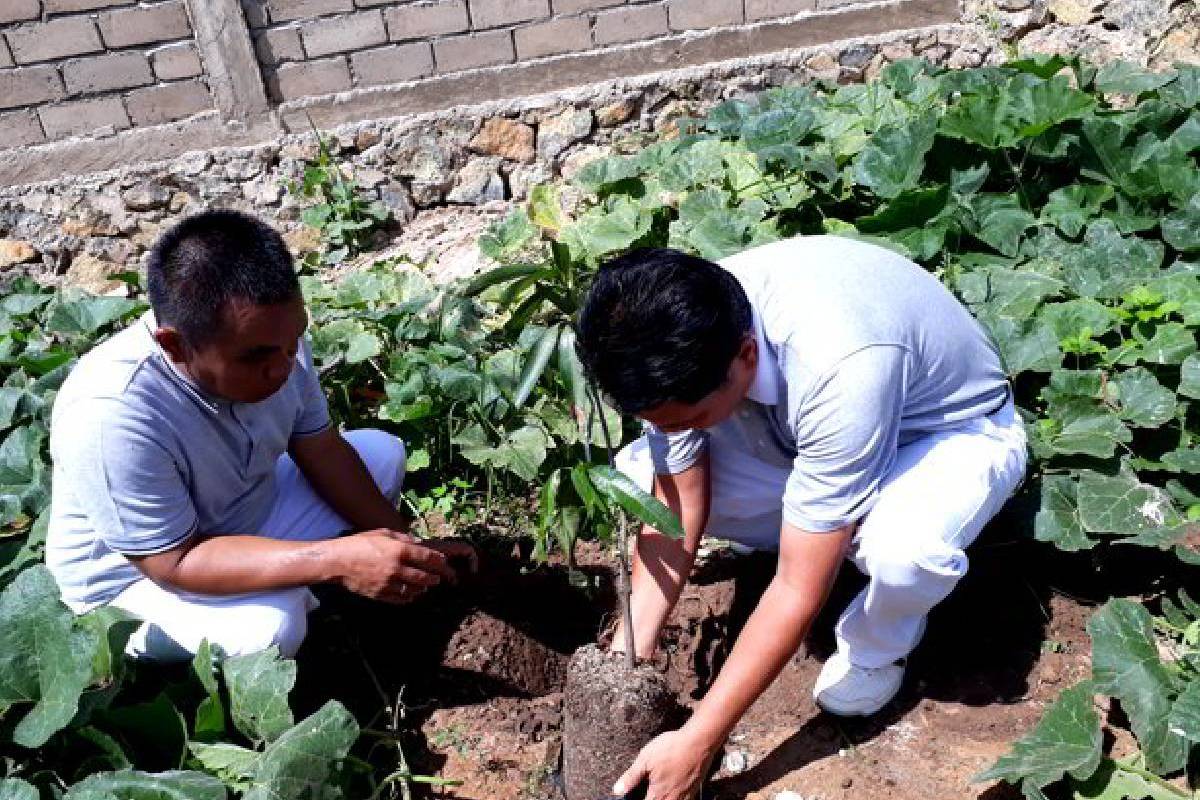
17	789
910	209
155	730
1185	713
509	236
1000	221
526	451
1123	504
1088	429
1112	782
599	232
45	658
134	785
210	714
1183	460
506	274
698	164
1123	77
1126	665
1024	106
20	455
603	172
301	762
1070	207
620	489
1171	343
1144	401
894	158
1057	521
87	315
1017	293
1181	228
232	764
1106	263
545	210
258	686
571	371
1074	316
362	345
1066	741
1024	345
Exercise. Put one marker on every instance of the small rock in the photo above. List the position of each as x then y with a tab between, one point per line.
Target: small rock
1073	12
847	782
179	201
191	164
614	114
856	56
526	176
302	240
824	67
146	196
580	159
367	139
303	150
396	199
964	58
243	169
788	794
370	178
876	66
735	762
559	132
478	182
506	138
263	192
897	51
1013	5
14	251
92	273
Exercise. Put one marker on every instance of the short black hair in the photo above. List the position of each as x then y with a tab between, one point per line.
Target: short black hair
211	258
659	325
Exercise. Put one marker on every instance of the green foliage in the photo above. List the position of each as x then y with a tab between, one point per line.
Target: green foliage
336	207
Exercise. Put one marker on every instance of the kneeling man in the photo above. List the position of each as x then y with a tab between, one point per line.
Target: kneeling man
198	481
819	396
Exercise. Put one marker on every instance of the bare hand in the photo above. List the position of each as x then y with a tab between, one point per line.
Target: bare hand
456	550
391	566
674	765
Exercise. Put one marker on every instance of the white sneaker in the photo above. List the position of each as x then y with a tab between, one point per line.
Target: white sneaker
852	691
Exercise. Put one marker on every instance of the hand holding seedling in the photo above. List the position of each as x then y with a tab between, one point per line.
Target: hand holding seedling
394	567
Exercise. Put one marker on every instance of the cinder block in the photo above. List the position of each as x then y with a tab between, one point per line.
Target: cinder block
276	45
309	78
630	24
107	73
19	11
176	61
426	19
770	9
575	6
145	24
494	13
83	116
567	35
58	38
20	128
5	56
393	64
476	50
167	103
288	10
71	6
342	34
30	85
692	14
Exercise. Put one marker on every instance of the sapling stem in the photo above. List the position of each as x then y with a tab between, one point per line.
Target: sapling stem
624	581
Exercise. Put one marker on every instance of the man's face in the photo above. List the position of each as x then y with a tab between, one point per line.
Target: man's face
250	357
718	405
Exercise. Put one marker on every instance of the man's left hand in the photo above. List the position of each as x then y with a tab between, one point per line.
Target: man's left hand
674	764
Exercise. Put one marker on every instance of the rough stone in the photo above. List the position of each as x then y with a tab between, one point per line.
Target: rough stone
897	51
265	192
1073	12
523	177
92	273
478	182
579	159
367	138
614	114
824	67
193	163
559	132
395	198
857	56
421	157
302	240
504	137
146	196
15	251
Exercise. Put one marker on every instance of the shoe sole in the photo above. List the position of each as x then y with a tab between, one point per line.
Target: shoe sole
855	712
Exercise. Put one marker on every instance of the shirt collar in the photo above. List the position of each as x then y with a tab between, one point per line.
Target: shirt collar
184	381
765	388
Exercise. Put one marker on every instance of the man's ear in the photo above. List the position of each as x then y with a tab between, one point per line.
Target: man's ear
749	351
172	343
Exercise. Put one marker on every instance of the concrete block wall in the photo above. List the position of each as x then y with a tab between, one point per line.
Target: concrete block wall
85	67
310	48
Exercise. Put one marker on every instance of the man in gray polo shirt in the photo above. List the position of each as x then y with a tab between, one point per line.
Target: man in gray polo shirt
821	397
198	481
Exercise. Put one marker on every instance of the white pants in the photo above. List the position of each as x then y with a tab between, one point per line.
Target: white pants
177	622
942	490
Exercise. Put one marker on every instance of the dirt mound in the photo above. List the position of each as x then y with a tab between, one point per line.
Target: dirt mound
519	664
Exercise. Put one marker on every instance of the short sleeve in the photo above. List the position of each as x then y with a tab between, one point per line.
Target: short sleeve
847	434
126	482
313	414
672	453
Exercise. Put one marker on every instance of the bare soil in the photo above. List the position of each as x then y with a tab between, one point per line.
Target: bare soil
479	670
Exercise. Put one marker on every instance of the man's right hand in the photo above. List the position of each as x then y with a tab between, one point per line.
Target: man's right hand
387	565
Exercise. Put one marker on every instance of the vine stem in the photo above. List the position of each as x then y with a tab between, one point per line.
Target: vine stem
1147	775
624	579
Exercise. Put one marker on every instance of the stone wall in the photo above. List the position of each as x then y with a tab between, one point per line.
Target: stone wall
444	173
76	67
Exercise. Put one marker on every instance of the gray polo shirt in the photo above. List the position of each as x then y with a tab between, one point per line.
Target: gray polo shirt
860	352
144	459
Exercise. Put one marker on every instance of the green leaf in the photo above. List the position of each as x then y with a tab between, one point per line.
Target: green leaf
1123	77
545	209
571	371
1074	316
1066	741
1057	521
1087	429
509	236
1181	228
87	315
1024	106
17	789
1070	207
599	232
1000	221
45	658
1105	264
1184	719
1112	782
210	715
258	686
1144	401
1123	504
536	363
895	157
362	346
301	762
1171	343
620	488
604	172
133	785
1126	665
232	764
1189	376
